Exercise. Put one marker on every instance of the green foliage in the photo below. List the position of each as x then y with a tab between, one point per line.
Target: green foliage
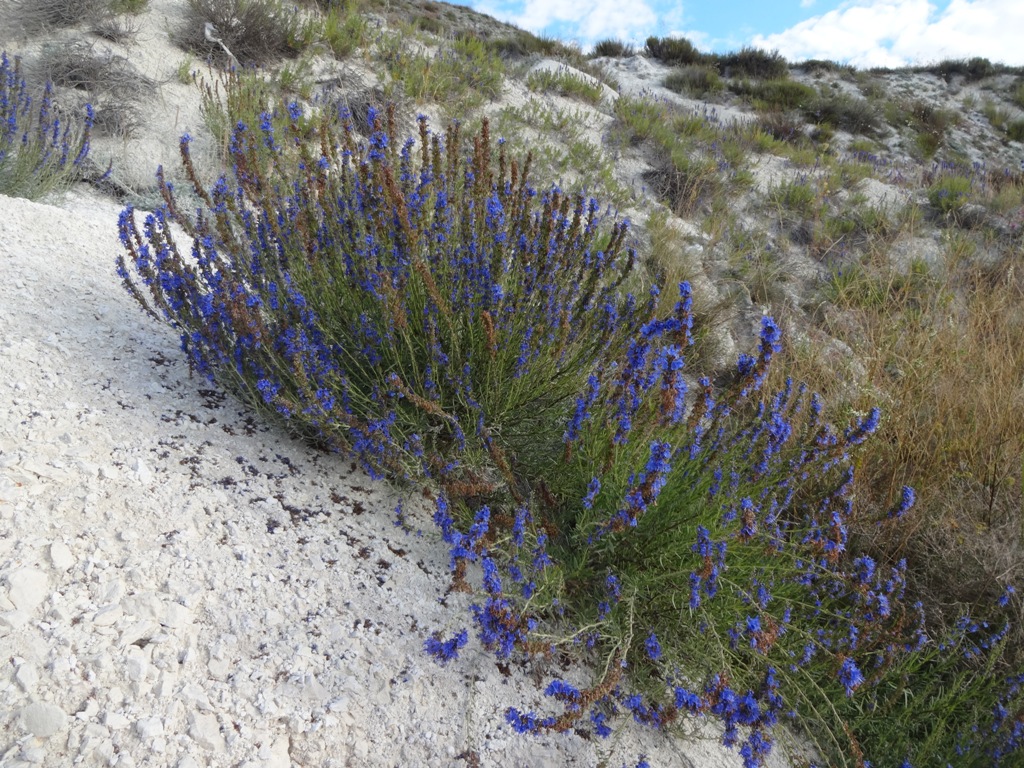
674	50
782	127
998	116
425	311
775	94
234	97
695	80
754	62
974	69
41	151
128	6
562	150
845	112
950	193
1015	130
798	196
565	83
459	76
825	65
1017	94
613	49
343	28
930	123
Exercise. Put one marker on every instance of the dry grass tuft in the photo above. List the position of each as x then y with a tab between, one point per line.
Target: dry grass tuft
254	31
111	83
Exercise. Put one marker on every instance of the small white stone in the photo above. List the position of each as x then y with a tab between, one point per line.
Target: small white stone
107	615
219	668
42	719
27	677
60	556
174	615
33	755
142	472
115	721
149	727
27	588
206	731
136	663
89	711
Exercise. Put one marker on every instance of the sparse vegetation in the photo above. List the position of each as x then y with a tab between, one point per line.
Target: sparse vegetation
111	83
845	112
613	49
41	150
566	83
950	193
343	28
35	16
674	51
460	76
754	62
695	80
775	94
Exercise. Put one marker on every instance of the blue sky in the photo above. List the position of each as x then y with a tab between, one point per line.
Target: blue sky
861	32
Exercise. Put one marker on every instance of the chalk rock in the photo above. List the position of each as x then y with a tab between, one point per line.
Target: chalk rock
60	556
13	620
206	731
115	721
27	588
42	719
27	677
142	472
149	727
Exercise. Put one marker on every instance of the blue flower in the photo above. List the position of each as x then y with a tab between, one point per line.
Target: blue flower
653	647
447	650
850	676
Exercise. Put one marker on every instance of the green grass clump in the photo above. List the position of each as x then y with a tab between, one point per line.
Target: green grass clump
950	193
754	62
1015	130
566	83
775	94
695	160
461	75
343	29
973	69
128	6
674	50
613	49
858	116
1017	94
695	80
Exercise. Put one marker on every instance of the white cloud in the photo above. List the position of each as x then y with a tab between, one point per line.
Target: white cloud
588	22
897	32
806	3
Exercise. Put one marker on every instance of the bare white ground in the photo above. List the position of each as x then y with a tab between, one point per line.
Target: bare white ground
183	585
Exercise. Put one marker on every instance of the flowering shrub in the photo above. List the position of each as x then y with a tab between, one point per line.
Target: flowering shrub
39	150
433	315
